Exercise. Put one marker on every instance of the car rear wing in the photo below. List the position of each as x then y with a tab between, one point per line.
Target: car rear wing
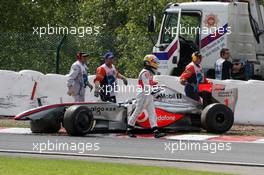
225	96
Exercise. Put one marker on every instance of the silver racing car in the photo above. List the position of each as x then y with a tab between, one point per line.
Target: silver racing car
175	111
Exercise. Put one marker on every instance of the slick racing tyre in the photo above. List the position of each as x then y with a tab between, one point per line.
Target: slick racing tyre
217	118
78	120
45	125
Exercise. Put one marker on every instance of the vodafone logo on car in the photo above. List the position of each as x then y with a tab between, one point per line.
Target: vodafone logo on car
143	117
165	117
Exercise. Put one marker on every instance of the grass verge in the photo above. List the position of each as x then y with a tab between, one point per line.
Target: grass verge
32	166
11	123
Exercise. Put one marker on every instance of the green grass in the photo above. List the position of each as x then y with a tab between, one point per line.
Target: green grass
9	123
33	166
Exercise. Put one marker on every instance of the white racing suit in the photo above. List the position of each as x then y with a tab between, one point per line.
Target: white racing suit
77	81
144	99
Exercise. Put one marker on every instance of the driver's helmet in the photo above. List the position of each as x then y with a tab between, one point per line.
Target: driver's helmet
152	61
196	55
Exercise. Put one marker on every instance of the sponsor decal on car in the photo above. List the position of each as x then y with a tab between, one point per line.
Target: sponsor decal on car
171	96
164	118
100	109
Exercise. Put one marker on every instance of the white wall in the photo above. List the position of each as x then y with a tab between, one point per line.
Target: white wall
16	89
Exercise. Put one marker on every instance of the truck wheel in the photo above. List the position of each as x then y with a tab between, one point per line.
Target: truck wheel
45	126
217	118
78	120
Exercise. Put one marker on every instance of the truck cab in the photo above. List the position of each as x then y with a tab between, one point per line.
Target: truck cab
208	27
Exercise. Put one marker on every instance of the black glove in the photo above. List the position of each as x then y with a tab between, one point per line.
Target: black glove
125	81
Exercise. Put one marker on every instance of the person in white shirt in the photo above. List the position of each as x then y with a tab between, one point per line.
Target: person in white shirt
78	78
223	67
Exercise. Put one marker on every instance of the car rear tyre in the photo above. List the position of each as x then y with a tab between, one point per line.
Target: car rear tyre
78	120
217	118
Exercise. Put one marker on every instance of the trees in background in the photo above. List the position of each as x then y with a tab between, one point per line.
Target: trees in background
123	30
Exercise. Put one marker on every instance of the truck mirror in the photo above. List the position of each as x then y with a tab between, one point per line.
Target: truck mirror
151	23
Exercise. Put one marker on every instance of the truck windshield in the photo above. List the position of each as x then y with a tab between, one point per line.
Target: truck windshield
169	31
189	27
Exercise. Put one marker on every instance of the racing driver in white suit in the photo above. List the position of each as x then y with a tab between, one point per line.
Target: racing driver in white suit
144	97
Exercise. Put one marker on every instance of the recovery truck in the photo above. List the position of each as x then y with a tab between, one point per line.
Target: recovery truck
209	26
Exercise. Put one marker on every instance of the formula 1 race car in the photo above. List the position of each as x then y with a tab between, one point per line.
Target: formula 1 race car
175	111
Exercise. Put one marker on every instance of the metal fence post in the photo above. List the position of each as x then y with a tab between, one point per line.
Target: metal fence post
58	54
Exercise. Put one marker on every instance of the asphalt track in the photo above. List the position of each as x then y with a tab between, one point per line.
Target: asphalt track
241	158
